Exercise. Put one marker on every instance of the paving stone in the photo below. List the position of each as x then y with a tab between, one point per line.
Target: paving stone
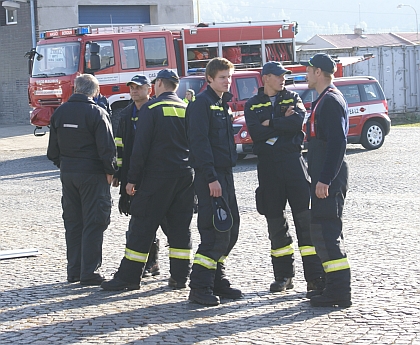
381	223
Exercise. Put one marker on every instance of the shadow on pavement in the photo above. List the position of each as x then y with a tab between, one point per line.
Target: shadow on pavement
235	319
18	168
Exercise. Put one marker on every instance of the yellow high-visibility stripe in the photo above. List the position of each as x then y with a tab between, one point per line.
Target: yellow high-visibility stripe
205	261
222	259
336	265
307	250
135	256
118	142
216	107
286	101
179	104
134	119
183	254
260	105
119	162
172	111
288	250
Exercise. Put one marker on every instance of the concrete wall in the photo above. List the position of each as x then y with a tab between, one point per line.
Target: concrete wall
15	42
397	69
53	14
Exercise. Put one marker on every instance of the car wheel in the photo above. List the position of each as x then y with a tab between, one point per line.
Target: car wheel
372	135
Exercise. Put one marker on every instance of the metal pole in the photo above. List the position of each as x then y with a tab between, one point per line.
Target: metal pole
417	22
33	23
198	11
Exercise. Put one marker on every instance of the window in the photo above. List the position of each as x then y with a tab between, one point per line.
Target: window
155	52
350	93
129	54
106	54
56	59
371	92
247	87
11	17
190	83
308	96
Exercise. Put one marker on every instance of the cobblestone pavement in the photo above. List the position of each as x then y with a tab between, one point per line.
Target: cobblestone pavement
382	223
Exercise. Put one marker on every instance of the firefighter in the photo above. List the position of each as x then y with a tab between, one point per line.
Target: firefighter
274	118
212	155
160	161
327	139
82	146
189	96
140	90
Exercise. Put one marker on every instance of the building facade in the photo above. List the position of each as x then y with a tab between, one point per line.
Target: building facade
18	27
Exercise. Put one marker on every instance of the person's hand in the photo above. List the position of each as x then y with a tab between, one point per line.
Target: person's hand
321	190
215	189
115	182
290	111
266	123
129	188
109	178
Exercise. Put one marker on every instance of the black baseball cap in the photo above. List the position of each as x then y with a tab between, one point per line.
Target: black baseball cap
139	79
274	67
167	74
322	61
222	217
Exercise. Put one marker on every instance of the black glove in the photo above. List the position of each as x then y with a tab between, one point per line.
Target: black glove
124	204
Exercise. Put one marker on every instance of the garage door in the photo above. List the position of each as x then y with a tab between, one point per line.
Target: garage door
114	15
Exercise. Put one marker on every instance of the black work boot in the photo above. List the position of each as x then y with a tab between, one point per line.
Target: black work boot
315	287
329	301
204	296
227	292
176	285
116	284
152	264
281	284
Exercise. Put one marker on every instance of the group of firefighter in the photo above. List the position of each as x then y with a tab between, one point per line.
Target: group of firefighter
170	151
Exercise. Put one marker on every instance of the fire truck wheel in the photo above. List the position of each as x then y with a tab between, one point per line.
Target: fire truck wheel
115	118
372	135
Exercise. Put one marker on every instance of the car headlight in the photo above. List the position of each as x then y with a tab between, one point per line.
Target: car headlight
244	134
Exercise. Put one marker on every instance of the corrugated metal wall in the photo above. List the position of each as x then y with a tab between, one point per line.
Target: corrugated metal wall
397	69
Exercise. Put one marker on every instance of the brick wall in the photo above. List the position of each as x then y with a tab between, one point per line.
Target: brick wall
15	42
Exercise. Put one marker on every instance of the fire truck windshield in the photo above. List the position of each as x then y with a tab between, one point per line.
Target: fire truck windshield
58	59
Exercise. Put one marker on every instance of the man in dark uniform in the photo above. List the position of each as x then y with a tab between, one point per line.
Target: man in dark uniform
82	146
140	90
327	139
160	161
212	155
274	118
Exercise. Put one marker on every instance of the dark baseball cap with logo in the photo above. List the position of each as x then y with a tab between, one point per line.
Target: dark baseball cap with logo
274	67
139	79
222	217
322	61
167	74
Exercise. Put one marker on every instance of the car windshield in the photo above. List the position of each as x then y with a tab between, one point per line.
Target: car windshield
56	59
190	83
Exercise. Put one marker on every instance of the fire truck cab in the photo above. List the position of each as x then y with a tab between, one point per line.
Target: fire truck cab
114	55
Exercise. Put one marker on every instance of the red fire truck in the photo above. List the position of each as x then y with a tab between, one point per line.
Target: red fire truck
116	54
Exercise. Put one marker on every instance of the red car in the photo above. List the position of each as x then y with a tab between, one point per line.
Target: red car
368	113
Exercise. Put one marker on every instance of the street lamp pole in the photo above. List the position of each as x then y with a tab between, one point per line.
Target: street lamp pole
417	23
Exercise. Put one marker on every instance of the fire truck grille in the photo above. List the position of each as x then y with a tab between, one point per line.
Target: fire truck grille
236	129
50	101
